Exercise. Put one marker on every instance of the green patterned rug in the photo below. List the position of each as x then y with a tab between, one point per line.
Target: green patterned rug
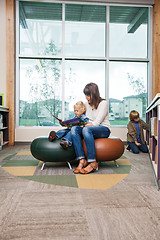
24	165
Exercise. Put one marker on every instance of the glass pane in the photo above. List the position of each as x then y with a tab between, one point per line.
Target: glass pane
85	30
127	91
40	92
40	28
128	32
77	75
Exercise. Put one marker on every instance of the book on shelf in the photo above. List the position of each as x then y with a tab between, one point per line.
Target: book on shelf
1	99
1	138
1	120
154	126
76	121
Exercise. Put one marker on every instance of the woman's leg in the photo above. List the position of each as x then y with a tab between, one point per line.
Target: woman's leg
89	134
133	147
76	135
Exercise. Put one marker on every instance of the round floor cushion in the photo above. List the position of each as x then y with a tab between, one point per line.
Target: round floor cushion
44	150
107	149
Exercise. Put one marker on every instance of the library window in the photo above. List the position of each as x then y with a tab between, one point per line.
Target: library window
64	46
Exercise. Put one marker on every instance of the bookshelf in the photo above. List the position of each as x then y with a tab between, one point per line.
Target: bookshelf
4	122
153	136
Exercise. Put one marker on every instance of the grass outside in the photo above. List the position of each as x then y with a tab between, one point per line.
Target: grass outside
119	122
33	122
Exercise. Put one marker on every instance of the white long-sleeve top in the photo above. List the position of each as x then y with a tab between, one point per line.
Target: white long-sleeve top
99	116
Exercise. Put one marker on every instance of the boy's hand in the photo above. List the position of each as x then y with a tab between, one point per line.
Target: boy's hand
61	123
137	143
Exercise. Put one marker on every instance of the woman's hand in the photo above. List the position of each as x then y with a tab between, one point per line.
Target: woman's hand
88	124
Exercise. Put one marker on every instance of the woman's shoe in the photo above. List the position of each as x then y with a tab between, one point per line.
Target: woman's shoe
52	136
82	163
90	168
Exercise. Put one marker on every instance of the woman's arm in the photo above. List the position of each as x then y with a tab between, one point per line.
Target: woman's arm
102	112
88	124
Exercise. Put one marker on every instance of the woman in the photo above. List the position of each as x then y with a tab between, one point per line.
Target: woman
98	127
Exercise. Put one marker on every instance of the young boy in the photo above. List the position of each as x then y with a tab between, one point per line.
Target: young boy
135	135
79	110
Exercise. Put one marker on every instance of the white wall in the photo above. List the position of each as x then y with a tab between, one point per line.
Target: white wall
3	48
27	134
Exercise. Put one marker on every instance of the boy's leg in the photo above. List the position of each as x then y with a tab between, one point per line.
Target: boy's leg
52	136
133	147
66	140
143	148
61	133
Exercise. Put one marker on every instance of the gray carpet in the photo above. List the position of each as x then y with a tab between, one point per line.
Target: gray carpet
33	210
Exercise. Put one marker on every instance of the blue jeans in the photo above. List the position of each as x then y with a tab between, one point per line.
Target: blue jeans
89	133
136	149
65	134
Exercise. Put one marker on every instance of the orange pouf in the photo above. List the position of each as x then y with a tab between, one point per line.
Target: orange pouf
107	149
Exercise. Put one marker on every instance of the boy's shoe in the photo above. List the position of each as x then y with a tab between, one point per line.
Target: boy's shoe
52	136
64	144
128	148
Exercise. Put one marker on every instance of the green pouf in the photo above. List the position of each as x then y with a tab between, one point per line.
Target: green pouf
47	151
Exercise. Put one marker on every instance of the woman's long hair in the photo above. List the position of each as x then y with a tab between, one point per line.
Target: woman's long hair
91	89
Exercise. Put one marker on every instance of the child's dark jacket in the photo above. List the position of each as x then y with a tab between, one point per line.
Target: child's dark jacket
132	131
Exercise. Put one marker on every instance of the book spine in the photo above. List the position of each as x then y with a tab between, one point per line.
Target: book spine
154	126
1	120
1	140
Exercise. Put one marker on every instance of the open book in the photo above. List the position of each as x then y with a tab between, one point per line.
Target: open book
71	122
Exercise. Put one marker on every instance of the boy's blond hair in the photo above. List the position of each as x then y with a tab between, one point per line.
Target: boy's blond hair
133	115
81	105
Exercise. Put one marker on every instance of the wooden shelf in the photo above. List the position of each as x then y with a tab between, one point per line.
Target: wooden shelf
3	128
5	143
4	111
156	137
153	136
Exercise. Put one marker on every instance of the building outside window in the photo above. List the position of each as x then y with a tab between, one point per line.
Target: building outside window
64	46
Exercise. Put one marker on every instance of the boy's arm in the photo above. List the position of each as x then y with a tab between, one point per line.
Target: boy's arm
145	125
84	119
131	131
76	121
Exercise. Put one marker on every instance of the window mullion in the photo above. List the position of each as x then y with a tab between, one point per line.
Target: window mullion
107	53
63	60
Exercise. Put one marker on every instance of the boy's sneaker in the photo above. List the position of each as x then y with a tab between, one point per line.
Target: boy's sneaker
52	136
128	148
64	144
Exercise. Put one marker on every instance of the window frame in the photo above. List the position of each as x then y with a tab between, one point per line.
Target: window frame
107	59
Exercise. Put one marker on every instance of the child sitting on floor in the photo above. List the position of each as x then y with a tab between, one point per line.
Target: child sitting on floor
79	110
135	135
